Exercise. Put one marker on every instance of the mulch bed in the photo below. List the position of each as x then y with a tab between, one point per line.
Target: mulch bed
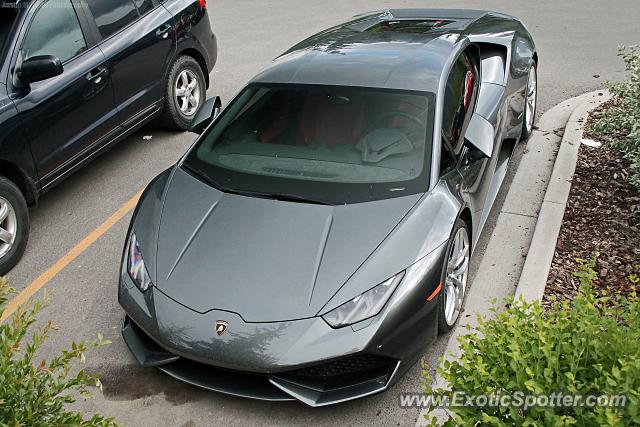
602	214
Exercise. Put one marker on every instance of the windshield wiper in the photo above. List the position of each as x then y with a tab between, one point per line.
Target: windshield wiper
263	195
275	196
297	199
202	176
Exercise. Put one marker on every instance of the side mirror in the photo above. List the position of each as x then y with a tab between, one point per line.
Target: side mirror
480	135
473	155
206	114
39	68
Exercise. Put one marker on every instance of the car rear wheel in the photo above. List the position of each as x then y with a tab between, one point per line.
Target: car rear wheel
530	102
455	273
14	225
184	94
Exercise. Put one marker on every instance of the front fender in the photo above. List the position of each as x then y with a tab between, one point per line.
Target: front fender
146	221
423	230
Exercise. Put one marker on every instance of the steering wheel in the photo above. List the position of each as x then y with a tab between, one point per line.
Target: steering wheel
414	135
408	116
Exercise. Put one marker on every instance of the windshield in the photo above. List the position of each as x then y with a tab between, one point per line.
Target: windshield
6	22
327	144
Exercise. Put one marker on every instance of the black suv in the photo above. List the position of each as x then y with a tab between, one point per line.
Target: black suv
77	76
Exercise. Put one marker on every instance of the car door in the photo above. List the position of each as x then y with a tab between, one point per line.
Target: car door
138	40
459	104
64	116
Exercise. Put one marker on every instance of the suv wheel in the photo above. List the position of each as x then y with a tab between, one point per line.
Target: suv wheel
14	225
184	94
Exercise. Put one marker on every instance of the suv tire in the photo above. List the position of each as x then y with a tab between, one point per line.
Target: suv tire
185	92
14	224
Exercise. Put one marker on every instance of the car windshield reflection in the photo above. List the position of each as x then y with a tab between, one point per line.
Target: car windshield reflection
338	144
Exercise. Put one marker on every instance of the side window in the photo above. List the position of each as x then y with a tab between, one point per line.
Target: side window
112	15
459	94
448	159
144	6
54	30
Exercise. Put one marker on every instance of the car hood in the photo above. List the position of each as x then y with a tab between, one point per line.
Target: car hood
265	260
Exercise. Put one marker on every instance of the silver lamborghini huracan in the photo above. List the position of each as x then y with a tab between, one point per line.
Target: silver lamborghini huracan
317	236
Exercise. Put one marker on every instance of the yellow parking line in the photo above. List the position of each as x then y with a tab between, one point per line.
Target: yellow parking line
69	257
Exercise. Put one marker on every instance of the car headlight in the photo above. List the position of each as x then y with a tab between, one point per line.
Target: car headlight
135	265
363	306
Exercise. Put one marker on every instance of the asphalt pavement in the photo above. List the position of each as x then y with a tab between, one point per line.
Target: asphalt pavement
577	44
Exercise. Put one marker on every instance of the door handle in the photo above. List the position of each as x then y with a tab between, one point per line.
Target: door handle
163	32
97	74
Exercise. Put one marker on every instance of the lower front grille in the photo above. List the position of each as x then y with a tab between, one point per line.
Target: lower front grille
343	373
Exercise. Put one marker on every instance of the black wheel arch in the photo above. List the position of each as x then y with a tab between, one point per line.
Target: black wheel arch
197	53
20	178
466	216
200	60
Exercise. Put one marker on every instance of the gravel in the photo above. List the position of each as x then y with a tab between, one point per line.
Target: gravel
602	215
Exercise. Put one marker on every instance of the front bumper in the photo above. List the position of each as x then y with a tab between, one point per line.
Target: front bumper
303	360
319	385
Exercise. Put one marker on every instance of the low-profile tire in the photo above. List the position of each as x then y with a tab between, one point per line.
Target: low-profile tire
530	102
14	225
185	92
455	273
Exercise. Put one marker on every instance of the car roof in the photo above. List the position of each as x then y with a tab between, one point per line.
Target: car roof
393	49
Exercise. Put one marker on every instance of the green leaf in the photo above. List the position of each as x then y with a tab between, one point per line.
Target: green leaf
587	346
38	394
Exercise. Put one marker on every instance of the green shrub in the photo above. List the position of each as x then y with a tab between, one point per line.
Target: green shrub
35	393
590	345
620	124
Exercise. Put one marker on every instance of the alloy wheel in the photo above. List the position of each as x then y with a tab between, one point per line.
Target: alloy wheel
532	97
456	277
187	92
8	226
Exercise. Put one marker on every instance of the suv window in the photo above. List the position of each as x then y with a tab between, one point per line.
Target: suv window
459	94
6	22
55	30
448	159
112	15
144	6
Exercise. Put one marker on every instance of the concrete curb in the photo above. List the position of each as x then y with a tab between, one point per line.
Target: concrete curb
533	278
503	260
